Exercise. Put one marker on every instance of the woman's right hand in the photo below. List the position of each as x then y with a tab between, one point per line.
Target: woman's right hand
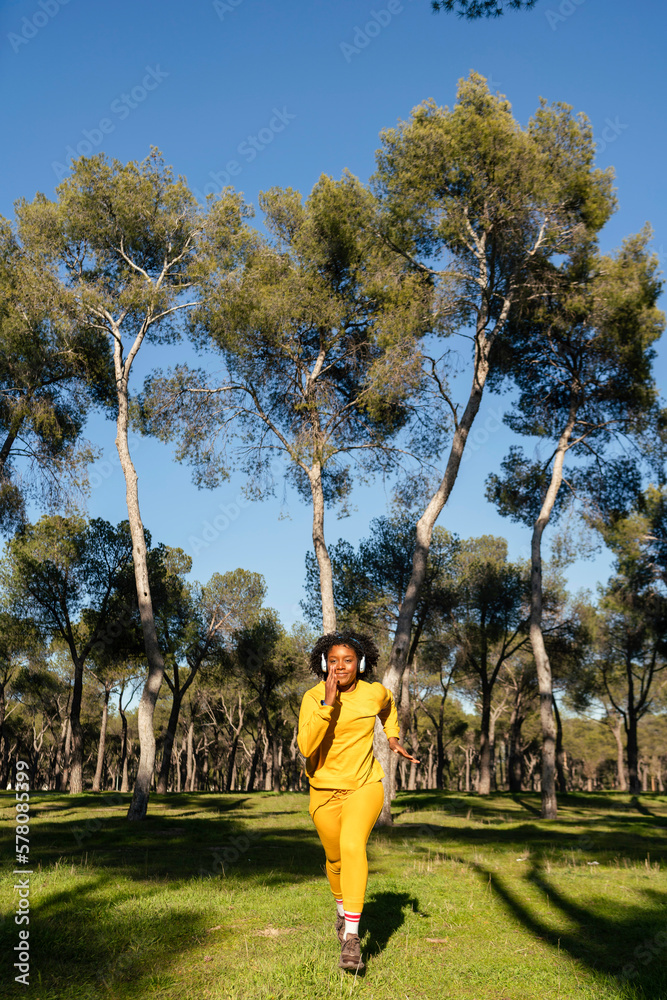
330	687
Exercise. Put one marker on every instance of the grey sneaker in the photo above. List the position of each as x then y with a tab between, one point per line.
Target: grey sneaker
340	928
350	953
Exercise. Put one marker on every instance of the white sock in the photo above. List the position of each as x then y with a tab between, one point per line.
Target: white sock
339	907
352	923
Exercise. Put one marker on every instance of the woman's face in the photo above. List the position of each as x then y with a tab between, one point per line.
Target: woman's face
342	660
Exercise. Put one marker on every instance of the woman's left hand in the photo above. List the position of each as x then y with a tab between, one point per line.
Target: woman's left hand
396	747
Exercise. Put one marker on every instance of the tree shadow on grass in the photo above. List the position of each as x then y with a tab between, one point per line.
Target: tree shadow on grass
501	805
89	939
220	837
645	811
526	805
453	803
94	936
61	802
223	839
629	945
629	841
383	916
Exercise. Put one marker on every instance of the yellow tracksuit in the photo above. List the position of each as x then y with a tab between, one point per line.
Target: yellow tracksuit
345	778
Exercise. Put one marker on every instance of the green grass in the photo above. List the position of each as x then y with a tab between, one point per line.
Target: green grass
224	896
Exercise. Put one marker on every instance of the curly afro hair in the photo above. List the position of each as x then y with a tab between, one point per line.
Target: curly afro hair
362	644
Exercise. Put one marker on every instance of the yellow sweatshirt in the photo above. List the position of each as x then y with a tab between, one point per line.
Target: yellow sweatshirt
338	739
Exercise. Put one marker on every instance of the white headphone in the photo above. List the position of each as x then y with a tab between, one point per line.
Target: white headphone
362	664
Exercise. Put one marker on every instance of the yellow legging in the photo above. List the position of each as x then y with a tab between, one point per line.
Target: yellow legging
344	819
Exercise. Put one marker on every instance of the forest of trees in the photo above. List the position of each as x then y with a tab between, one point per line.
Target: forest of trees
331	329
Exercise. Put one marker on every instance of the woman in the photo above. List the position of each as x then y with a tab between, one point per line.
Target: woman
336	725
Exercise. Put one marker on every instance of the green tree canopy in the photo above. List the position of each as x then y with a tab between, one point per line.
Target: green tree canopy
130	247
62	573
631	648
319	338
483	206
51	372
369	582
195	622
581	357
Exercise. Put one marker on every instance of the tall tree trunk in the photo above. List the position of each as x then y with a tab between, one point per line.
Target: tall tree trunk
190	756
425	524
276	762
414	744
6	764
560	753
168	745
252	773
67	754
633	753
194	781
124	785
267	768
149	695
294	762
630	721
514	755
468	761
97	780
76	773
9	441
58	763
34	765
236	730
321	551
51	778
267	755
179	765
616	729
231	762
494	716
380	742
439	771
404	708
499	766
205	768
484	784
544	678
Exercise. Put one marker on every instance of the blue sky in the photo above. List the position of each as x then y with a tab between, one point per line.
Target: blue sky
283	92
